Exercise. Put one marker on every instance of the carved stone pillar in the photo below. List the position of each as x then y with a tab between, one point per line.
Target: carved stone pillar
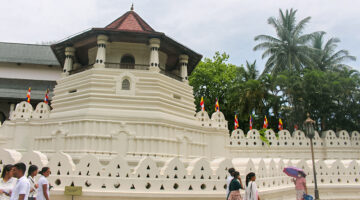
69	58
154	54
101	51
183	60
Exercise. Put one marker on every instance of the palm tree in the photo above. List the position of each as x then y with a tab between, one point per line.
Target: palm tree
326	57
251	71
288	50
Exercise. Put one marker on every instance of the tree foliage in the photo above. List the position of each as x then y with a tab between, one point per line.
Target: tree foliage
303	74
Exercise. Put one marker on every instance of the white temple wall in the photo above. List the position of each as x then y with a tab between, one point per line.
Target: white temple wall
95	89
199	176
29	71
107	138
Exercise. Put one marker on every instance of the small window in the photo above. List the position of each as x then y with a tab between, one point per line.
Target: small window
127	62
125	84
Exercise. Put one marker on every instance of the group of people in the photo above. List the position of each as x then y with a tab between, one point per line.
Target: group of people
234	184
15	185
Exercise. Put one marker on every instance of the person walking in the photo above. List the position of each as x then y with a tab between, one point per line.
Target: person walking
7	182
228	181
300	185
235	186
22	187
251	192
44	187
32	172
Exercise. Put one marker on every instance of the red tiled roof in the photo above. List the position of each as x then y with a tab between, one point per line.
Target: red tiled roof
130	21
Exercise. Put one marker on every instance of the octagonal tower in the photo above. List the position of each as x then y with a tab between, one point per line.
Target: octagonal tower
124	91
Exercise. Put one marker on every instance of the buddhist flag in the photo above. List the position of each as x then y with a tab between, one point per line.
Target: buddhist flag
266	124
217	107
28	95
236	123
281	127
46	99
251	123
202	104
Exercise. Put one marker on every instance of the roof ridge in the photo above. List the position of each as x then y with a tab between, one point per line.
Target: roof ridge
120	21
30	44
141	21
122	16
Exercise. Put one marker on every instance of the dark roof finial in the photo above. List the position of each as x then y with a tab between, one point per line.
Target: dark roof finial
132	7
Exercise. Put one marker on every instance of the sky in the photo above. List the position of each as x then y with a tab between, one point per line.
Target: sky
205	26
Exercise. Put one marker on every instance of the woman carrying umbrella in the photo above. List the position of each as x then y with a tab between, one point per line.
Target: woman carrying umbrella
300	185
299	181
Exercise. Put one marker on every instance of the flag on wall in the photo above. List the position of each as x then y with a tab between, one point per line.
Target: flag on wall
217	107
236	123
28	95
46	99
281	127
251	123
202	104
266	123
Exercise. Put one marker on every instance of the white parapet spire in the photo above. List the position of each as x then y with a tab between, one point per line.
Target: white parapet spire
154	54
101	51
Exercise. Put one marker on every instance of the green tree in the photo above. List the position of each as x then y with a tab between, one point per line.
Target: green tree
214	78
326	57
289	49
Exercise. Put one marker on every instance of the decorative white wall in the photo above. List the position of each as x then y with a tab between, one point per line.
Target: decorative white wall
197	177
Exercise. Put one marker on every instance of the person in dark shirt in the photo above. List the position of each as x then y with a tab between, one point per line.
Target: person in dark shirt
235	186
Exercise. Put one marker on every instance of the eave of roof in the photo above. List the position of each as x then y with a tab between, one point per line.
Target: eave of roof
194	58
27	53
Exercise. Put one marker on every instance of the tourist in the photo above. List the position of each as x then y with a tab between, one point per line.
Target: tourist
44	187
235	186
32	172
22	187
300	185
251	192
7	182
228	180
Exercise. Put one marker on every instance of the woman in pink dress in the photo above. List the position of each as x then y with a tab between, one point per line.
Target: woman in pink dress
300	186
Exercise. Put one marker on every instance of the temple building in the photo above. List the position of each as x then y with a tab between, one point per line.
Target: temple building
123	125
23	66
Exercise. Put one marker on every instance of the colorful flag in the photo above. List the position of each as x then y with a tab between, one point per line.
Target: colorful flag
251	122
202	104
281	127
266	124
296	127
217	107
28	95
46	99
236	123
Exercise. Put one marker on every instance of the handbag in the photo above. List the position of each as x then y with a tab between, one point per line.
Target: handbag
308	197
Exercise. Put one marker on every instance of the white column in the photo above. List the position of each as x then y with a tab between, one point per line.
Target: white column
154	54
101	51
183	60
68	64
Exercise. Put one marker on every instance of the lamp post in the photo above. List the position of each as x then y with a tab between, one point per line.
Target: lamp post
310	132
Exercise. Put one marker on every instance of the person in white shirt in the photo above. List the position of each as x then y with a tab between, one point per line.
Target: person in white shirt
22	187
251	192
7	182
44	187
228	180
32	172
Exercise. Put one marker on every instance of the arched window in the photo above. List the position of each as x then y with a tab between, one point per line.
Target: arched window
127	62
125	84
